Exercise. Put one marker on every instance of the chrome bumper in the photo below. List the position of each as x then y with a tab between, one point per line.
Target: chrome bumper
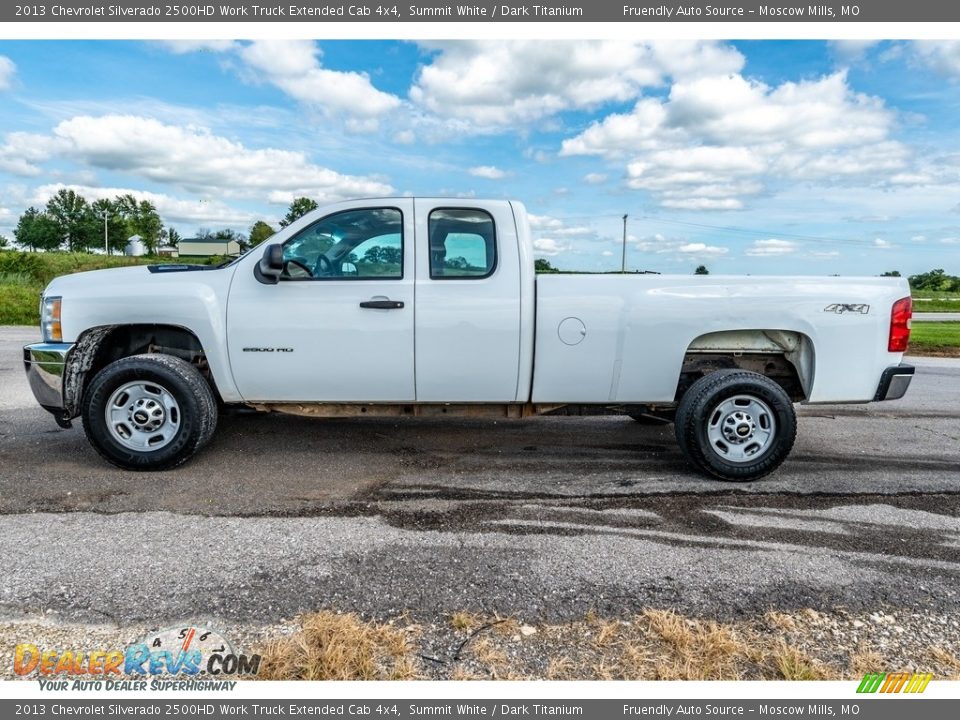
894	382
44	364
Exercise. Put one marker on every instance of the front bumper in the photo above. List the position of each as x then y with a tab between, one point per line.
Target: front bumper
894	382
45	364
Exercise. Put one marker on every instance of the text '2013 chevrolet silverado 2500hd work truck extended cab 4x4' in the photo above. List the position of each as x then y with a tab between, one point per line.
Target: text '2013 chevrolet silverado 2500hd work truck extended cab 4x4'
413	307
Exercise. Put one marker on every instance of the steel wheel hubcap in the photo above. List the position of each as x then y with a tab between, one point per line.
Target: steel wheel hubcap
142	416
741	428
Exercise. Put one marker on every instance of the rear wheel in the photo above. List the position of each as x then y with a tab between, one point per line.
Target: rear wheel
149	412
735	425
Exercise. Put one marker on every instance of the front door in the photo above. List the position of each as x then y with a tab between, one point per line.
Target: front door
338	327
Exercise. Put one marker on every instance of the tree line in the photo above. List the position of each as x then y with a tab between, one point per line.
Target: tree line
70	222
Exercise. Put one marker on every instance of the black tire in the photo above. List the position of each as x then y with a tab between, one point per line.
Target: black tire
196	410
697	415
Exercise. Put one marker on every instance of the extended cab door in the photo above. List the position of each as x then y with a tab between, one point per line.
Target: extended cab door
468	302
339	324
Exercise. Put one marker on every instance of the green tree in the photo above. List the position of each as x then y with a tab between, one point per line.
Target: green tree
171	237
74	218
259	232
543	266
701	270
298	208
4	242
890	273
37	231
116	225
935	280
142	219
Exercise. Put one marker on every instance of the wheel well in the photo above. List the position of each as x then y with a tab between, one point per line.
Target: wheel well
786	357
101	346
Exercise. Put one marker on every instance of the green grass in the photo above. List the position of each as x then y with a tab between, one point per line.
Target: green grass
935	338
19	304
928	301
23	275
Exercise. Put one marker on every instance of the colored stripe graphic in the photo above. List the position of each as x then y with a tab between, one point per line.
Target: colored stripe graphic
871	682
894	682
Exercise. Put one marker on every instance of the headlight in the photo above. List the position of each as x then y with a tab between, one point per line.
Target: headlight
50	319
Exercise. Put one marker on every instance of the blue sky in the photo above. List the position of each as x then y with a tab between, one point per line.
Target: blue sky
749	157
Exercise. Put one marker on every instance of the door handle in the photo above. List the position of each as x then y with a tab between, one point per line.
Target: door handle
382	304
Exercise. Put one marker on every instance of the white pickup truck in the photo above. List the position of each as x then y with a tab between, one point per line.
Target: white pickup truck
427	306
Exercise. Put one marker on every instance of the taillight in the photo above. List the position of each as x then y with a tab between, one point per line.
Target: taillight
900	325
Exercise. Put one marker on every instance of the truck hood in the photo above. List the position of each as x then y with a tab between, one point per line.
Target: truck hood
123	276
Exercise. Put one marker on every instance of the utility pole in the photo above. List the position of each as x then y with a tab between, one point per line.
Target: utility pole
623	255
106	244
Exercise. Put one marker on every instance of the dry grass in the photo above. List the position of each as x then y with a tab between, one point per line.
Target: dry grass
780	621
464	621
794	664
947	659
654	645
340	647
695	650
865	661
560	668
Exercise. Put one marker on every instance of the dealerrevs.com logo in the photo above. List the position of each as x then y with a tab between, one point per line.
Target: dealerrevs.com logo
189	651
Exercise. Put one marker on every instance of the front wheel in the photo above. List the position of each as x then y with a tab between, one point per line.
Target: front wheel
735	425
149	412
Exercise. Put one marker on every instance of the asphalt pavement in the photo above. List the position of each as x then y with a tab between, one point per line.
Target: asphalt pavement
544	518
937	316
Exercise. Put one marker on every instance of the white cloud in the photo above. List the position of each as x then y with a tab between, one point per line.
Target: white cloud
405	137
594	178
680	249
489	83
7	70
942	56
294	66
195	159
171	209
182	47
825	254
717	140
851	51
700	249
543	222
771	248
21	152
549	247
489	172
882	244
553	236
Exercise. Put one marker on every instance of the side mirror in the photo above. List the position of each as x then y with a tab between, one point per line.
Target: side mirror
270	267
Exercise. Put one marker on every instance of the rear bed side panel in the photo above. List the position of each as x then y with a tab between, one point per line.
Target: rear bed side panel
638	328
